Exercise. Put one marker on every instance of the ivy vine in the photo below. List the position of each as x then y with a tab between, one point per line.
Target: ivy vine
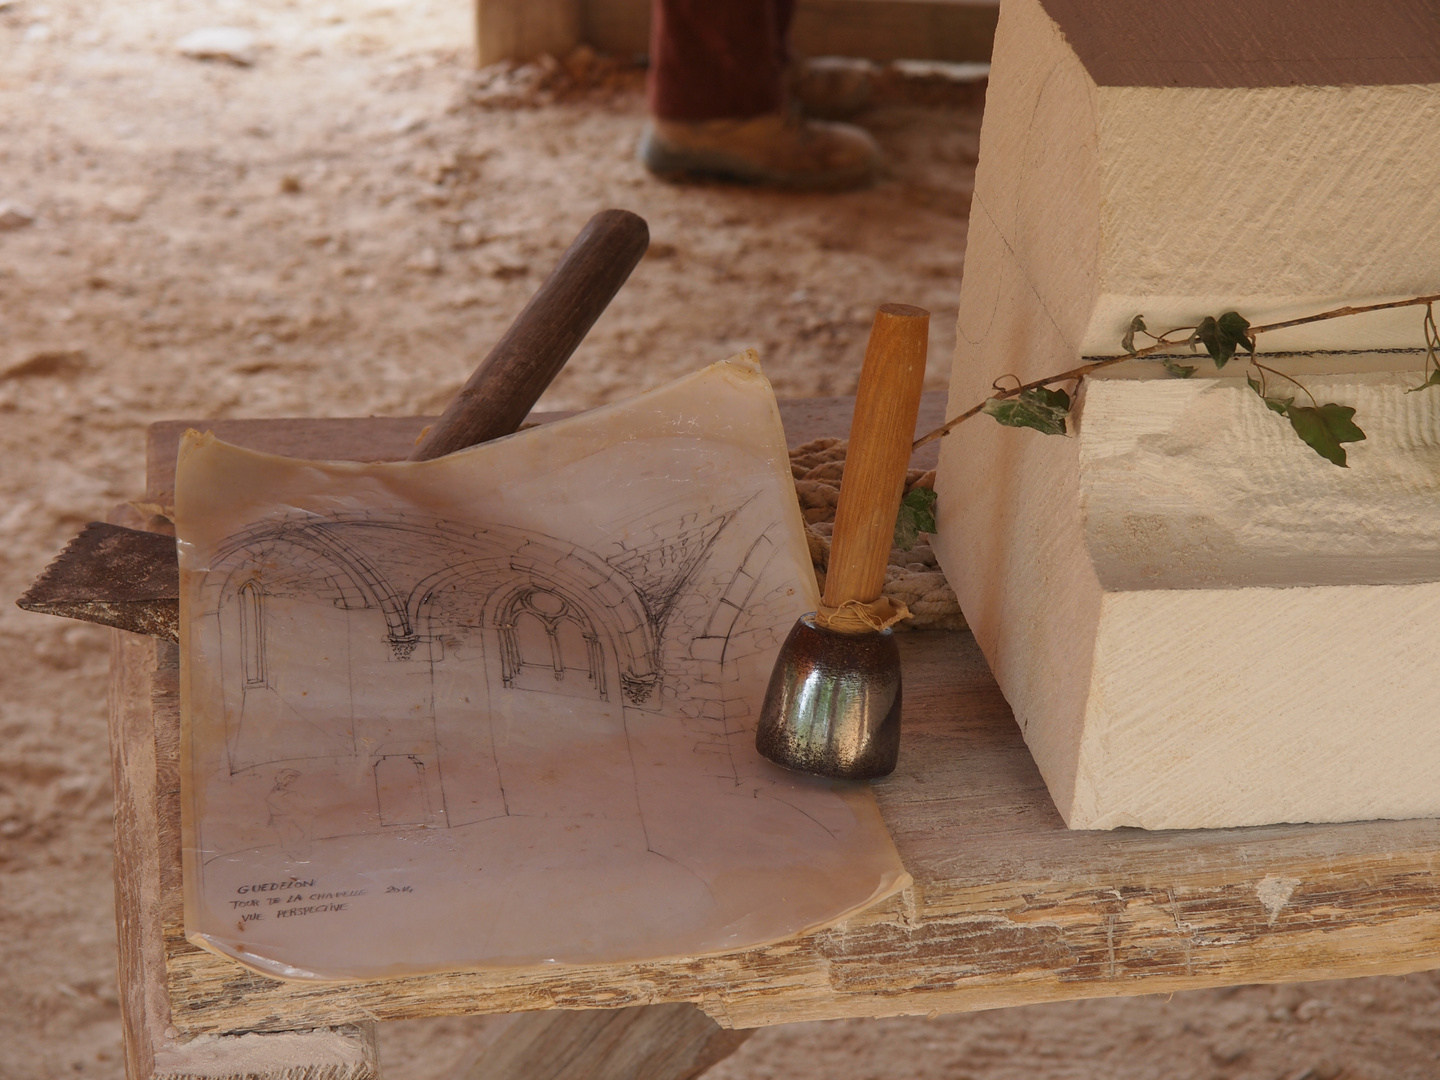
1325	428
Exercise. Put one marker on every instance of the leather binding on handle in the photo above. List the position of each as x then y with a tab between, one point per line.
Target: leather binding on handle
887	404
509	381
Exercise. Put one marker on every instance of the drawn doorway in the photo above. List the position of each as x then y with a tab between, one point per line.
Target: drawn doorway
402	790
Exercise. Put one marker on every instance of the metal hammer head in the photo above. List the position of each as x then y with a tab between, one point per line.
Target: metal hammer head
833	704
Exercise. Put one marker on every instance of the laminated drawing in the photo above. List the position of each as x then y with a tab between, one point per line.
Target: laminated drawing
497	709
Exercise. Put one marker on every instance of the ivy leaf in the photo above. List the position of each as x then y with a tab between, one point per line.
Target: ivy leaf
1180	371
1041	409
917	515
1323	429
1237	328
1137	325
1280	405
1433	380
1221	336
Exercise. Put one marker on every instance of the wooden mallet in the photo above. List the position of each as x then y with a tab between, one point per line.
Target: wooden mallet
833	703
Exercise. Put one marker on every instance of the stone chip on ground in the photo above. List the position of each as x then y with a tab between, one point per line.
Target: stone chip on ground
232	44
48	363
15	216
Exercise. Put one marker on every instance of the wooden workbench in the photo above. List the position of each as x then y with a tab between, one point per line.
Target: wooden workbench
1007	907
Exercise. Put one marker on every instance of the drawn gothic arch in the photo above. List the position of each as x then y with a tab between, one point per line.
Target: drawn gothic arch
321	538
611	602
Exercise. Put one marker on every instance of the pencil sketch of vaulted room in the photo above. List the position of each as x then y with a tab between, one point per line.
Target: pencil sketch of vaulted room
442	662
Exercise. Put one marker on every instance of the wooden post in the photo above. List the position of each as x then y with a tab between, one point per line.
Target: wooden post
525	29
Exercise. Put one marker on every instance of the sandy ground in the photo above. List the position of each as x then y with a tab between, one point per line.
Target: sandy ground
339	230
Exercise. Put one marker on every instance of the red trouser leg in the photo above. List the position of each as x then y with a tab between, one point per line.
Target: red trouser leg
718	59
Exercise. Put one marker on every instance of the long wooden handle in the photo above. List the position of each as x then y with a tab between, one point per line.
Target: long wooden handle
543	336
886	406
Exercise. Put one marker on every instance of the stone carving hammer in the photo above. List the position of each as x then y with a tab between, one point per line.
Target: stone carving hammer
833	703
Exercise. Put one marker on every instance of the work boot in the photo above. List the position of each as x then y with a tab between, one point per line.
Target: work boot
776	149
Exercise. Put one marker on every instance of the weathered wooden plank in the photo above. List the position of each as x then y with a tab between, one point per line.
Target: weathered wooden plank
1008	906
652	1042
145	1005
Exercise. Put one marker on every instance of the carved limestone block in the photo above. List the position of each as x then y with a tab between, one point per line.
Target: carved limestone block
1197	620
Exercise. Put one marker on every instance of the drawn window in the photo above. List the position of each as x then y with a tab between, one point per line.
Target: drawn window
549	644
252	633
532	639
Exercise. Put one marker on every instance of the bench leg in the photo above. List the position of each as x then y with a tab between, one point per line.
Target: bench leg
648	1042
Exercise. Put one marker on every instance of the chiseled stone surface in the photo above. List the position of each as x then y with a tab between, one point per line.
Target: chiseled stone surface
1198	621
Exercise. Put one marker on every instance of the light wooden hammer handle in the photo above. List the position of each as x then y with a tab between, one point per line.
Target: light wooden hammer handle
886	406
